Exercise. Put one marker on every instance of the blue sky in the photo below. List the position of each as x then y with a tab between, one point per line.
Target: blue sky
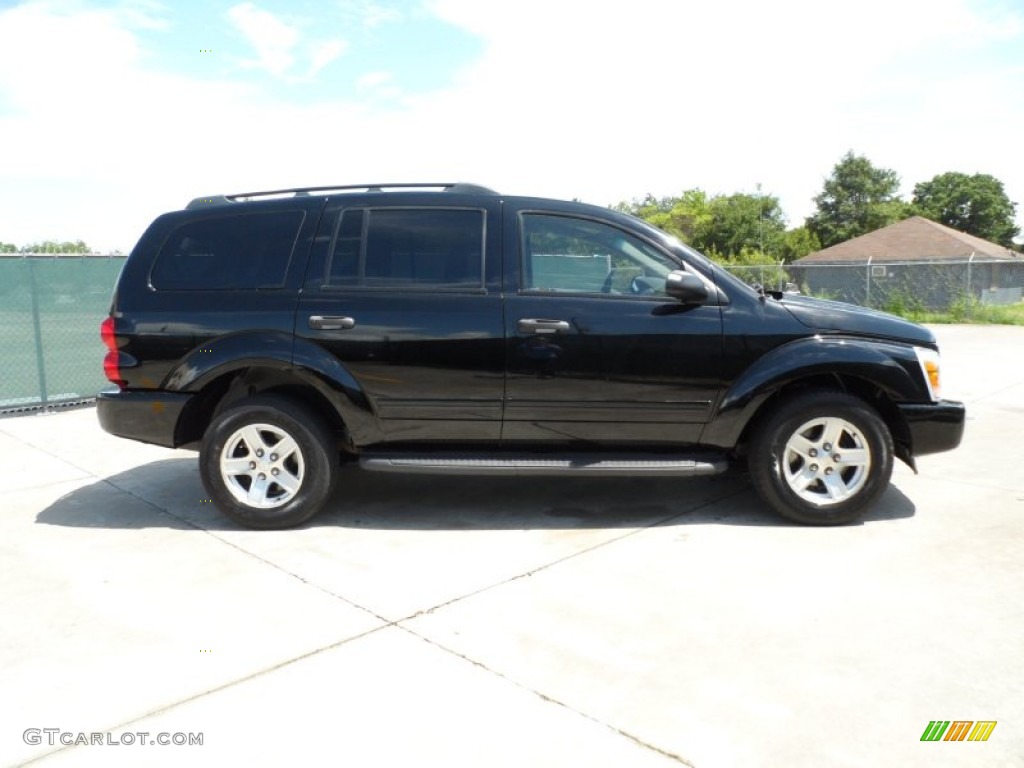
308	52
113	111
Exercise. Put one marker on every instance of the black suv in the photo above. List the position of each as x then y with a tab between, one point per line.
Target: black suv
447	328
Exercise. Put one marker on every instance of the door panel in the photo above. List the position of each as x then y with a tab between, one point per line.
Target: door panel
626	370
398	294
596	351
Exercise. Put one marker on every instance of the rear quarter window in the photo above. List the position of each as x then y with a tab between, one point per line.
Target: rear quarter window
248	251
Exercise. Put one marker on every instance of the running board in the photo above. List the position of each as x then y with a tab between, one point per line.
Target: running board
535	464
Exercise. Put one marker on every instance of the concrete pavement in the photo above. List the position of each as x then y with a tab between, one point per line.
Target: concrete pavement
480	622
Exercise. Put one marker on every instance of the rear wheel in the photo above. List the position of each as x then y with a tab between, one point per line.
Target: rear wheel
268	462
821	458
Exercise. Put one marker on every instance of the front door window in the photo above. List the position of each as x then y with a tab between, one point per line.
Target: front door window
572	255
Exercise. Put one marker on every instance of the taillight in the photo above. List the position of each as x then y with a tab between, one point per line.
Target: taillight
111	363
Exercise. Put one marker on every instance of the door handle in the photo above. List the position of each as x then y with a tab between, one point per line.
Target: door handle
531	325
320	323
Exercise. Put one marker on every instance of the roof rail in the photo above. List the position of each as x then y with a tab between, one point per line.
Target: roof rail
453	187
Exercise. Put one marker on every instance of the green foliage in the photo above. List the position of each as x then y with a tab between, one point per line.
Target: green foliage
856	199
903	302
821	293
747	257
1007	314
741	222
8	247
962	307
974	204
52	246
754	268
797	243
968	310
687	216
725	224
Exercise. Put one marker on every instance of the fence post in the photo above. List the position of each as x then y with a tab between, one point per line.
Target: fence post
968	294
867	283
37	330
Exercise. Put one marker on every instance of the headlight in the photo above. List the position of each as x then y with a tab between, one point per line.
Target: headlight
929	360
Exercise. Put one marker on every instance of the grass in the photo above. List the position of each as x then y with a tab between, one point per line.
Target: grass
965	309
960	312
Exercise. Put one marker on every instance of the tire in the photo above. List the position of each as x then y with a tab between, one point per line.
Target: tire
268	462
793	460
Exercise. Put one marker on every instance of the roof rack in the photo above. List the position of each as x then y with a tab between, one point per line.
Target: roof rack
453	187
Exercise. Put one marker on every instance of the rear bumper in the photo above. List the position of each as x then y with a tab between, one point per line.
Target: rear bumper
149	417
934	427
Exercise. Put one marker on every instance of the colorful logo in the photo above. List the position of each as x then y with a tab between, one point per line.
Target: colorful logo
958	730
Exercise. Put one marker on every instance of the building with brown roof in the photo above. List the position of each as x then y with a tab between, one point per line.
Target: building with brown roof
915	260
913	239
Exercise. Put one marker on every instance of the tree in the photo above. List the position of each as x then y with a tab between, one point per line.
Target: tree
743	222
723	225
974	204
686	216
52	246
857	198
8	247
797	243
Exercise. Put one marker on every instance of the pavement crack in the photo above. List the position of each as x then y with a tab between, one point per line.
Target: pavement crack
551	699
572	555
230	684
248	553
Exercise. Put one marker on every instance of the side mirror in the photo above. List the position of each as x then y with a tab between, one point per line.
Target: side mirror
686	287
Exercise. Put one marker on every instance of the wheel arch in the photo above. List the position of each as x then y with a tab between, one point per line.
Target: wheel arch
225	369
344	416
865	389
880	373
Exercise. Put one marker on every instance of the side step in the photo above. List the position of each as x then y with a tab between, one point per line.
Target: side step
547	464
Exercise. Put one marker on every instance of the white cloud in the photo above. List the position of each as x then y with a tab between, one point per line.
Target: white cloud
373	80
272	38
375	15
567	99
617	100
369	14
142	14
277	44
323	53
51	63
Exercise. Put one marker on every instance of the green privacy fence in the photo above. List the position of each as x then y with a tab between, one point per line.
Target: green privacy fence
51	307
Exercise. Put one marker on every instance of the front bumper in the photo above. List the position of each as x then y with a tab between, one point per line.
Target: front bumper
149	417
934	427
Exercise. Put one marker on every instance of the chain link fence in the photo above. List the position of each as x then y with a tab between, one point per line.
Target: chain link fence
51	307
955	287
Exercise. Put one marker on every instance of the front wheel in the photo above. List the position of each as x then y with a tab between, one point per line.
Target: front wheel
268	462
821	458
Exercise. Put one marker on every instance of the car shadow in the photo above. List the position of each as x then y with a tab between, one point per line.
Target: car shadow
169	494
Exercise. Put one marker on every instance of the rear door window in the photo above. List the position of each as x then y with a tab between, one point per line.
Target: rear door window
408	248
